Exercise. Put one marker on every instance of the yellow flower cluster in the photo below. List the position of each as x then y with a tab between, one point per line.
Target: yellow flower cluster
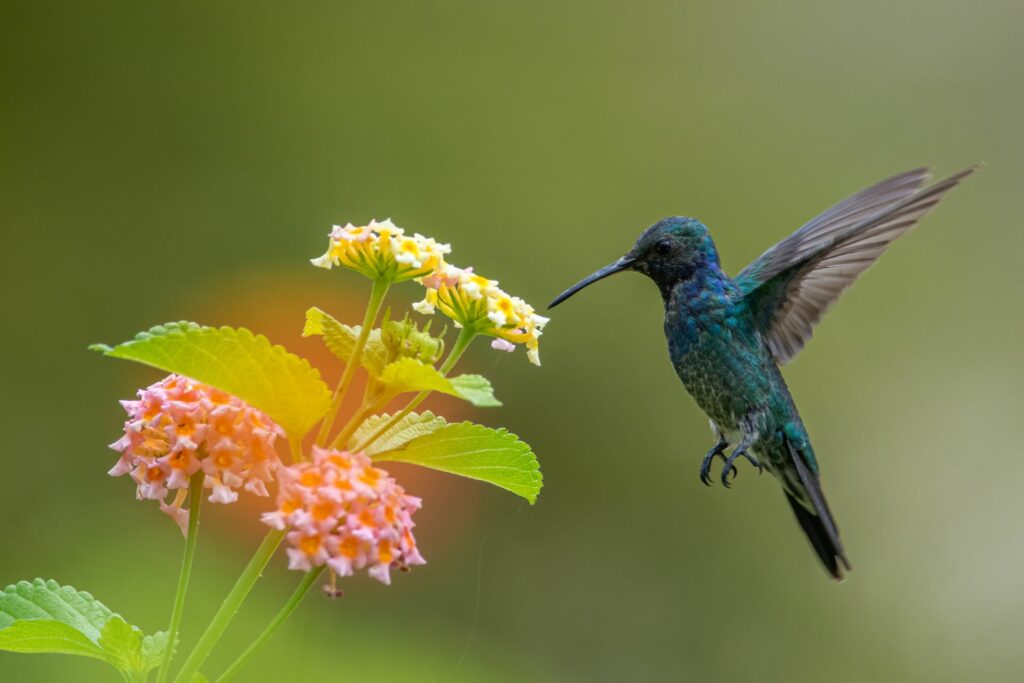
382	250
474	301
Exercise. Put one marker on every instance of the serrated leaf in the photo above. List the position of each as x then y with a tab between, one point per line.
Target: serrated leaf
49	600
476	389
470	450
45	617
247	365
410	375
152	651
411	426
38	636
122	644
341	339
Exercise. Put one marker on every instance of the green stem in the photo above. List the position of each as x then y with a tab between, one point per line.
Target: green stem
353	424
195	501
230	606
380	288
466	336
300	592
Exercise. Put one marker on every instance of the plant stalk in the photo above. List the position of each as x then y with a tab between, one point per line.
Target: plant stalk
300	592
380	288
195	498
230	606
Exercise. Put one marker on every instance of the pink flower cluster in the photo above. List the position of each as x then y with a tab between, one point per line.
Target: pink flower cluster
179	426
345	513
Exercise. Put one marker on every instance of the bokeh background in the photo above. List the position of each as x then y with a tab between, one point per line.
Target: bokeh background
163	161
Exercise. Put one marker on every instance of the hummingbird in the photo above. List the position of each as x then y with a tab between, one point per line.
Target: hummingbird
728	336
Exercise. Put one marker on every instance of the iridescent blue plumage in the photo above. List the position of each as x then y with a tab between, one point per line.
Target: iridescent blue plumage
728	336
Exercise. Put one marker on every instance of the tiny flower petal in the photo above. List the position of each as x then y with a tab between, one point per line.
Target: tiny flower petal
502	345
179	515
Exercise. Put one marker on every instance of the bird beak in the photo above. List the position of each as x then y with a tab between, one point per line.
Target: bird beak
623	263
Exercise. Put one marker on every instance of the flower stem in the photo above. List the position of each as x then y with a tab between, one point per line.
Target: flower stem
353	424
300	592
466	336
195	497
230	606
380	288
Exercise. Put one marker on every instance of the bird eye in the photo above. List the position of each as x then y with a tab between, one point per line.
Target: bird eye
663	247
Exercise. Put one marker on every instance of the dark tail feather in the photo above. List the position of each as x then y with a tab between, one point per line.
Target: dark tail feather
827	551
819	526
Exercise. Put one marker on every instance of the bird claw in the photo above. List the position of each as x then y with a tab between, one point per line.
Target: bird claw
705	466
725	474
735	471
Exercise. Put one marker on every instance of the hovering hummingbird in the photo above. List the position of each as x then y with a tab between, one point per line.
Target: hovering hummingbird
728	336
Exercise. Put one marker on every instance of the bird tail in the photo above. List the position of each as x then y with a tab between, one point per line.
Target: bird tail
818	525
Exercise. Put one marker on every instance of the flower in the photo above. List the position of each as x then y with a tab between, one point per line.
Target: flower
474	301
179	426
382	250
345	513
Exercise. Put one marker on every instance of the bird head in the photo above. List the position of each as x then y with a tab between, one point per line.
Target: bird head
668	252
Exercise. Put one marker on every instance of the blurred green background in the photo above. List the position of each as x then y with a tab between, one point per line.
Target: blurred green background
182	160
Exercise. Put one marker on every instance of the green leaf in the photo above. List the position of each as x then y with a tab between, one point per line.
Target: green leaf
49	600
281	384
122	643
47	636
410	375
341	339
199	678
43	616
408	428
152	651
476	389
477	452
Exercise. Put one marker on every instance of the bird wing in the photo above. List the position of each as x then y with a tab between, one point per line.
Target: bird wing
790	286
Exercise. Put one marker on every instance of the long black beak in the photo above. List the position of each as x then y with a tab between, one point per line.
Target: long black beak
623	263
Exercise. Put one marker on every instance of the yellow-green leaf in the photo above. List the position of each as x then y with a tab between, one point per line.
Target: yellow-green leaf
281	384
411	375
476	389
341	339
477	452
47	636
408	428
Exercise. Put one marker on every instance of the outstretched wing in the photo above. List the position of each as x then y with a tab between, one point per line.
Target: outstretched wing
790	286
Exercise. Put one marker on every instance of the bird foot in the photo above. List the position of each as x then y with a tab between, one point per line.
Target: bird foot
705	466
735	472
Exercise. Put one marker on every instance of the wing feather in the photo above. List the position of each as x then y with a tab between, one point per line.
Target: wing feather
792	284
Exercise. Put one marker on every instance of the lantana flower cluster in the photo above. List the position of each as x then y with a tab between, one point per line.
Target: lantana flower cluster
345	513
473	300
382	249
179	426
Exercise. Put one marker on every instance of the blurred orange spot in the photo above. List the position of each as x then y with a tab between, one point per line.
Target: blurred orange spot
273	303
